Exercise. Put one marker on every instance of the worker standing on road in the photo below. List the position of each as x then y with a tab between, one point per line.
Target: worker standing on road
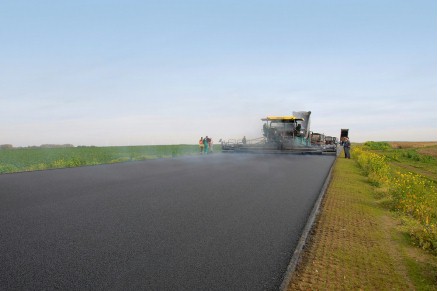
201	145
205	145
244	140
347	148
210	145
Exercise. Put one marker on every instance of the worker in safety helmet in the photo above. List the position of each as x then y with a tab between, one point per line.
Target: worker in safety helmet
347	148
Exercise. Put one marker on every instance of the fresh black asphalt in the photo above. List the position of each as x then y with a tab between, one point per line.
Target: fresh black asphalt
217	222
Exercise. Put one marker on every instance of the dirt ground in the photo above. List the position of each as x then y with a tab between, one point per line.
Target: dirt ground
427	148
354	244
412	144
429	151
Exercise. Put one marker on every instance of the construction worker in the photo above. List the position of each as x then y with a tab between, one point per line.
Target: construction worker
201	145
210	145
347	148
205	145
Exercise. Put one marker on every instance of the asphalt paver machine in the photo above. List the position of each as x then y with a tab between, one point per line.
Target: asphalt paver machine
280	134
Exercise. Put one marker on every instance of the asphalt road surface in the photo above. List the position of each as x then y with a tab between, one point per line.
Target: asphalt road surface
218	222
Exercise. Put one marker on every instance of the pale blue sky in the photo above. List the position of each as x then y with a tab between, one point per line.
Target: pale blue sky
168	72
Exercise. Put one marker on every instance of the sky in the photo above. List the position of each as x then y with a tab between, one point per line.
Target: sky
109	73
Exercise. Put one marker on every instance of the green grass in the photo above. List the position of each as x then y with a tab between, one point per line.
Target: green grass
411	160
376	145
30	159
409	187
391	235
421	267
358	245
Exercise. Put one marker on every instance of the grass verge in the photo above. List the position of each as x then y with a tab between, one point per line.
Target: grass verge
31	159
358	244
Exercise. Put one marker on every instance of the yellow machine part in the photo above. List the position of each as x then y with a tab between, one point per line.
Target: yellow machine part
291	117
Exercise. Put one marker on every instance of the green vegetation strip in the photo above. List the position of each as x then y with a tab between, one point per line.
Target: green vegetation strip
31	159
412	195
357	244
419	159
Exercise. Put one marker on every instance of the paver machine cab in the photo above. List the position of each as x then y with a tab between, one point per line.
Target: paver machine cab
281	134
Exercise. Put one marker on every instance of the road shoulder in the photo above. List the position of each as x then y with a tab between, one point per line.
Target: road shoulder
355	243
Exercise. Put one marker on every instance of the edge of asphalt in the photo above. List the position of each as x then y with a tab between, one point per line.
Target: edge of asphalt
294	261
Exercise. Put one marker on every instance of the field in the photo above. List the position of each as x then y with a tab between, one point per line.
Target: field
31	159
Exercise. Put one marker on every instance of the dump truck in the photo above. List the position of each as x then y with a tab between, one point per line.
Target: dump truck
344	133
280	134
